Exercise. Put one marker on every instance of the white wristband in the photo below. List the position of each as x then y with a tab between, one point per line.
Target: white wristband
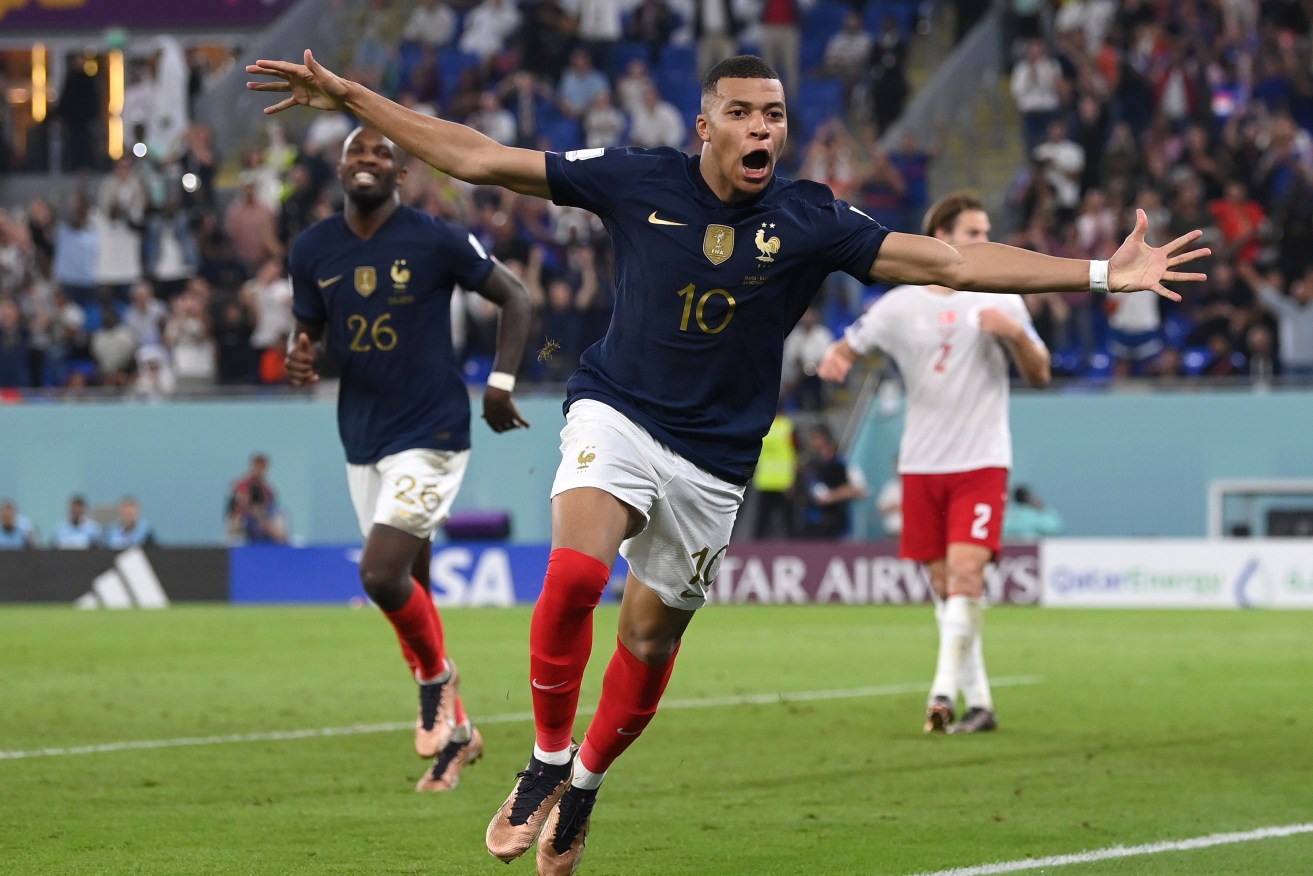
501	380
1098	275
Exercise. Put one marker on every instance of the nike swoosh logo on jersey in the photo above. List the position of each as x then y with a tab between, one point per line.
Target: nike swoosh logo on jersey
655	221
535	683
623	732
324	284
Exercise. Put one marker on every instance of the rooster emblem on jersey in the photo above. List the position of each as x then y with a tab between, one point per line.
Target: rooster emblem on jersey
767	246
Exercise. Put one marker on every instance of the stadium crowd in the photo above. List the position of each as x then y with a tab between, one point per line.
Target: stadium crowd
152	282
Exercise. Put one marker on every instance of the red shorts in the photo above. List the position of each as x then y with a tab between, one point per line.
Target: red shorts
943	509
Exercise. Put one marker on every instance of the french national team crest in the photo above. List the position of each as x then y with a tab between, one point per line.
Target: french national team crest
718	244
366	281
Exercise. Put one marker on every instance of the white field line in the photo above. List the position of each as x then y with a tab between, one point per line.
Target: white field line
505	718
1186	845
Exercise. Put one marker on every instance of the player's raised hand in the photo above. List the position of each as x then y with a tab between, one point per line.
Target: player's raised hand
1136	265
300	362
500	412
311	84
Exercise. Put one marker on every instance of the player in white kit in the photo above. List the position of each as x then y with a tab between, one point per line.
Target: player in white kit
952	349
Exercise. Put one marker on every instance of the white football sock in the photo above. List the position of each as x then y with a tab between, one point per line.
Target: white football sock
553	757
585	778
974	681
463	732
954	643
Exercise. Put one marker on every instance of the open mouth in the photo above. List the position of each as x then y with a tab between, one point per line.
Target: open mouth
363	178
755	163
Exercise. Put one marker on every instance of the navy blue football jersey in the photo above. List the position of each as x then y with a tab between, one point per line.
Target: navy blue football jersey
386	303
705	294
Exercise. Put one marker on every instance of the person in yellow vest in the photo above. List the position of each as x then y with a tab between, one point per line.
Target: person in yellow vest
777	470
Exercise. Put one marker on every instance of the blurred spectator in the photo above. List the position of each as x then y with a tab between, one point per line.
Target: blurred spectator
774	479
848	53
803	349
187	335
77	246
268	298
657	123
252	227
913	162
128	529
146	315
598	27
546	37
1294	314
1259	352
651	24
1240	220
431	23
781	39
80	108
199	163
1028	518
525	97
233	353
1134	331
1062	160
493	120
888	86
252	513
716	25
154	380
832	485
604	123
831	158
119	217
13	347
1035	80
580	83
1168	365
631	88
114	347
16	531
170	252
79	531
488	28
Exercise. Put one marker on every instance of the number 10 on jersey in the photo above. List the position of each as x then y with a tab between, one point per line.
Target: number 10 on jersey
688	293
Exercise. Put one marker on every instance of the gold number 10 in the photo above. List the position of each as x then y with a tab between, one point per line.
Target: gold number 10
687	294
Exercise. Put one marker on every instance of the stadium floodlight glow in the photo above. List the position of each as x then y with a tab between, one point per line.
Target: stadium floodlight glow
190	183
115	125
139	150
39	83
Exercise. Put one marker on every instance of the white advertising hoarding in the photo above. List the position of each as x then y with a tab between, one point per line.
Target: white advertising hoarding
1176	573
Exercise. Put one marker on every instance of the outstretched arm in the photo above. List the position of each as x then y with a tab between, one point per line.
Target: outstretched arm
450	147
995	267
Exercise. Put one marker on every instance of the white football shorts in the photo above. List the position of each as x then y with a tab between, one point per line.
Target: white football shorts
412	490
687	513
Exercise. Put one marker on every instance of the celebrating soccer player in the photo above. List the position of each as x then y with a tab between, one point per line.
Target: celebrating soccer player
377	280
716	258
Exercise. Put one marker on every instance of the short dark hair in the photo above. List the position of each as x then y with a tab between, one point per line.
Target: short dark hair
738	67
944	212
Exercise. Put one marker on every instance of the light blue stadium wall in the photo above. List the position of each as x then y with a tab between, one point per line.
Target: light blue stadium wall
1133	463
1115	464
179	459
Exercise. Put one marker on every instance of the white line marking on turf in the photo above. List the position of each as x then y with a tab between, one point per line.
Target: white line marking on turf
1199	842
505	718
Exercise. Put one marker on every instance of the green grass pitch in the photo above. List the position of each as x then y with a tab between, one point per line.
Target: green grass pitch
1120	728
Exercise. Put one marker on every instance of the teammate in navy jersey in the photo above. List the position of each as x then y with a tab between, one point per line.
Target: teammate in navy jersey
373	286
716	258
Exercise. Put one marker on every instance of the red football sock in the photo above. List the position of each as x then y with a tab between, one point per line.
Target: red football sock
420	633
560	640
631	690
